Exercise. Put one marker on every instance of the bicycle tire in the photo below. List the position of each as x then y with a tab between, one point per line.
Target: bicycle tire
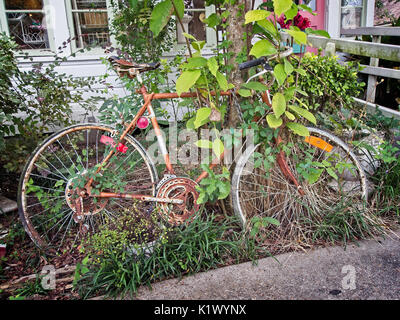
45	183
281	199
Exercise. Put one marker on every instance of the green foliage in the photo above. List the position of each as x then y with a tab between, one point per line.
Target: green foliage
131	28
215	186
30	288
34	102
286	70
329	85
199	246
133	228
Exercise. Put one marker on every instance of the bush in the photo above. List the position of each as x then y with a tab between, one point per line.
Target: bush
33	103
329	84
199	246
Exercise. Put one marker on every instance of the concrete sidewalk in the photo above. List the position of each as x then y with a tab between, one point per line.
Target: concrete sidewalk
368	271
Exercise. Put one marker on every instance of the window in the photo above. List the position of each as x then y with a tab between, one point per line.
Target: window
195	12
25	20
88	23
352	14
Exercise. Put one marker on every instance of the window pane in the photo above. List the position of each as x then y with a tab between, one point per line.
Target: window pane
24	4
28	27
352	3
352	11
90	22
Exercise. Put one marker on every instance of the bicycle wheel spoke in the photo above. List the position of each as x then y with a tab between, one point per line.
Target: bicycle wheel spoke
53	178
259	192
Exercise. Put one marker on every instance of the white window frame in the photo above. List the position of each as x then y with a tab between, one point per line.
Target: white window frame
50	32
363	12
70	19
211	37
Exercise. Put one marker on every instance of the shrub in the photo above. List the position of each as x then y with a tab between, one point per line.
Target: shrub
329	84
202	245
34	102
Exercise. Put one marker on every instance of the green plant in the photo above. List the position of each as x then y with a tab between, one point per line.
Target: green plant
30	288
328	84
199	246
131	28
34	102
215	186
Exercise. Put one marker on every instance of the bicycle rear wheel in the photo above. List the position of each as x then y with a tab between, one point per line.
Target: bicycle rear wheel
46	198
325	167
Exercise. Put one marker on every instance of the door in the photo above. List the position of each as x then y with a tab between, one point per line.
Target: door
318	21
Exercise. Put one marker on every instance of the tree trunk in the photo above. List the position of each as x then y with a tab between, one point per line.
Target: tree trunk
235	31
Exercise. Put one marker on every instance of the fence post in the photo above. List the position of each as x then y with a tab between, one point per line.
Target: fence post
330	49
371	86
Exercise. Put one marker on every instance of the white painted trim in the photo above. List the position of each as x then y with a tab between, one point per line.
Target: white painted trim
371	107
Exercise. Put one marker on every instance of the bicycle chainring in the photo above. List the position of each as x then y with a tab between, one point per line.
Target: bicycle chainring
178	188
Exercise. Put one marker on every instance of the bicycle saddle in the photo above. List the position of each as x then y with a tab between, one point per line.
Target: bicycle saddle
131	68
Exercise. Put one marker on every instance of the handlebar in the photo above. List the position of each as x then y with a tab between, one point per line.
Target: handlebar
264	60
252	63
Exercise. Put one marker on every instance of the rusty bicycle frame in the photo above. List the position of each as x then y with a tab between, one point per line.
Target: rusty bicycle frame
147	107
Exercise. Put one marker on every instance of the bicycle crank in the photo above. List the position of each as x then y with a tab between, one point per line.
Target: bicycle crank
183	189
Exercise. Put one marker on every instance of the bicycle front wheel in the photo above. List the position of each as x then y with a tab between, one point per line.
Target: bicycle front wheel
63	161
327	170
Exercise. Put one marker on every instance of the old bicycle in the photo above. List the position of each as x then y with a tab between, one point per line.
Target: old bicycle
59	198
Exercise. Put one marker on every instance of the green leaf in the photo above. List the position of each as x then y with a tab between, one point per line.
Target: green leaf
223	83
133	3
271	220
244	93
292	12
290	115
278	104
212	20
288	66
262	48
195	62
304	113
298	36
160	16
186	80
301	72
205	144
198	45
189	36
218	147
256	15
212	65
180	7
298	128
268	26
255	85
224	190
280	74
332	173
313	177
289	93
273	121
321	33
201	116
281	6
190	123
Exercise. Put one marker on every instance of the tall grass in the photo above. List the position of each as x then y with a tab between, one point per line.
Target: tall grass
202	245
